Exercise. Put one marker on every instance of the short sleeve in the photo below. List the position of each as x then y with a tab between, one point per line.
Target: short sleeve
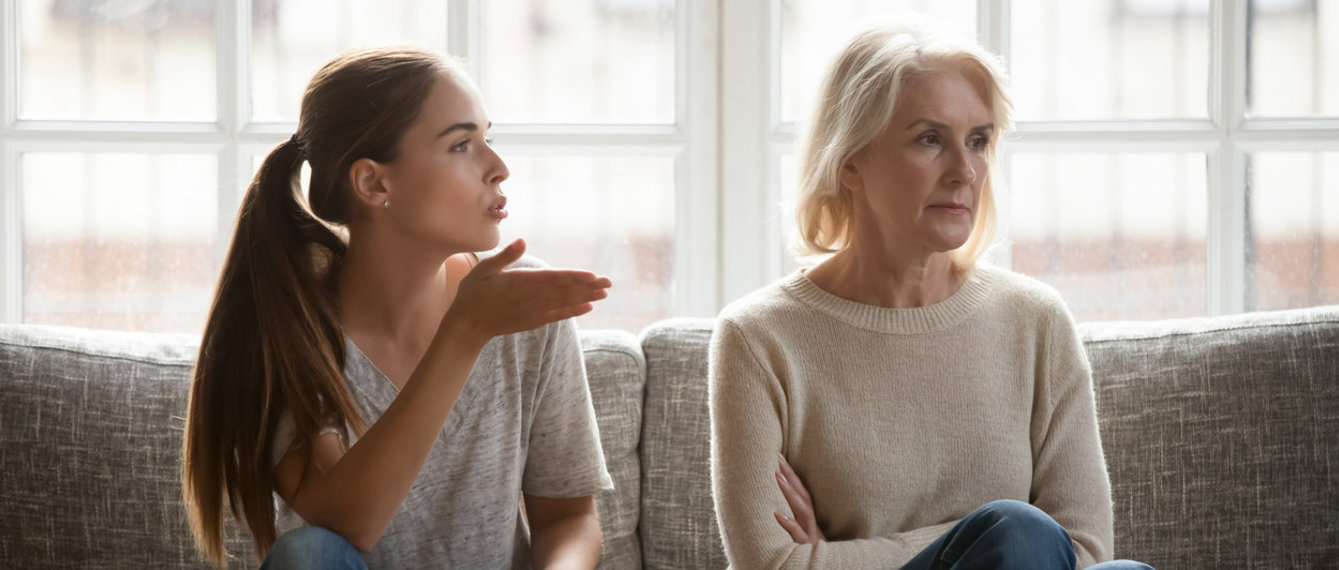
285	436
564	458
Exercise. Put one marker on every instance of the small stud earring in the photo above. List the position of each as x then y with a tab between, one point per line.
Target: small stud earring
386	204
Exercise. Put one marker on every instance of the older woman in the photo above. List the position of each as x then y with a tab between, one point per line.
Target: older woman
902	403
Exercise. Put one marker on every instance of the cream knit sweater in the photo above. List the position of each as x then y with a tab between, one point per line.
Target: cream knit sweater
901	421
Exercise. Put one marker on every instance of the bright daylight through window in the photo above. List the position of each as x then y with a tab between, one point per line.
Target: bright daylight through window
1172	158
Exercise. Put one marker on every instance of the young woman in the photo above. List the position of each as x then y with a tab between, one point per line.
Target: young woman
901	404
398	395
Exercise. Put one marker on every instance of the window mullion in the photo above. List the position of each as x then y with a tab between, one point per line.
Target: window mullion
747	253
9	58
993	26
11	237
993	29
463	30
1226	255
233	36
11	215
697	181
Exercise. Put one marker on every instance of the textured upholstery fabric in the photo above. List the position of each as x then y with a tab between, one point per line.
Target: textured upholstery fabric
90	442
617	375
678	516
1222	438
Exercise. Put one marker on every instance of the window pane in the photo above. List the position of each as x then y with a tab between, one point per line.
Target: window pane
613	215
1122	236
1123	59
119	241
1294	66
579	61
117	60
292	39
812	31
1293	230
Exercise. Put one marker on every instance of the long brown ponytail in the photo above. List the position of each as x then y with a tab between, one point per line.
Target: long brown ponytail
273	342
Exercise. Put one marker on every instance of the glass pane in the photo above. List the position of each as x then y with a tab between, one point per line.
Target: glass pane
1122	59
1122	236
579	61
292	39
613	215
812	31
1294	58
1292	257
119	60
119	241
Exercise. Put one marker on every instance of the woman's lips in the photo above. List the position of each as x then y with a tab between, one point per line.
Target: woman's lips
952	208
499	209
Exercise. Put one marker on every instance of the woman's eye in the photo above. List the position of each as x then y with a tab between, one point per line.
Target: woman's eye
979	143
929	138
488	141
461	146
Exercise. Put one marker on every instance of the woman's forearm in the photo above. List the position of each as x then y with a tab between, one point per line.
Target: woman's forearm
355	493
564	533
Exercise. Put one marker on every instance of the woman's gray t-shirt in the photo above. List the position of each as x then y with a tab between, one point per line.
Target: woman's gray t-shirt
523	423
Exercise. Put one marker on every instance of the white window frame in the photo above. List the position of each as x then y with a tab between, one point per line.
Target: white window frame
754	137
727	139
234	138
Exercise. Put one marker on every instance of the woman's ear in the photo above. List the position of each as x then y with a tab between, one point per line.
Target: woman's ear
849	175
367	177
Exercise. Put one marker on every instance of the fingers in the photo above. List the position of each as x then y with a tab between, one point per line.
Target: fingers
570	312
801	504
790	475
559	288
792	528
501	259
798	504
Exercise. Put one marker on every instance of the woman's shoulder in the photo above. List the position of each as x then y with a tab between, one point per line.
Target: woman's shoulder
1023	297
764	306
1014	287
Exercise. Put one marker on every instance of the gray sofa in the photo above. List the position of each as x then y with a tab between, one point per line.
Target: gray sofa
1221	434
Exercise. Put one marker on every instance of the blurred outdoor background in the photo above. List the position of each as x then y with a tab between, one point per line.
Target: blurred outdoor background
133	126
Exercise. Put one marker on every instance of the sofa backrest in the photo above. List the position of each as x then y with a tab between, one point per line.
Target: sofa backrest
617	375
1222	438
678	527
90	447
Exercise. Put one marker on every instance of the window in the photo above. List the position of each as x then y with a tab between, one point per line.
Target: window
131	128
1173	157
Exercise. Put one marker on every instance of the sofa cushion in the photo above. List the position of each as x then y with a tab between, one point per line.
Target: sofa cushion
678	516
91	442
1222	438
617	376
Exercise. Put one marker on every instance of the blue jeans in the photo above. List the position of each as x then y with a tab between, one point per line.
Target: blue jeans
312	547
1006	534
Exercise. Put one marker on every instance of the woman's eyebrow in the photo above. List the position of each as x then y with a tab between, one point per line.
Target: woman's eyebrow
458	127
938	125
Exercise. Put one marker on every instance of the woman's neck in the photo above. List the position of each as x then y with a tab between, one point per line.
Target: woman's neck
392	293
877	276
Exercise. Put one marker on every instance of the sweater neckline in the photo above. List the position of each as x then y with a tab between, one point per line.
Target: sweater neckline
939	316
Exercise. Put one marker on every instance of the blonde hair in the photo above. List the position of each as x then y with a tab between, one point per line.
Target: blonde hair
856	101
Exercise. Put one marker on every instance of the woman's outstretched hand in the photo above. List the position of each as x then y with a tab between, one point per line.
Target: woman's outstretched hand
803	528
493	300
